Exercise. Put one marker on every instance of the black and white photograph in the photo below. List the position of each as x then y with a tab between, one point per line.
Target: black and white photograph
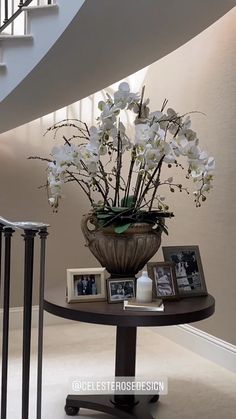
120	290
86	284
188	268
164	280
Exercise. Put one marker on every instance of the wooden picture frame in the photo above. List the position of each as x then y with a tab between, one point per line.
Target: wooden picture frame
164	280
188	268
86	284
120	289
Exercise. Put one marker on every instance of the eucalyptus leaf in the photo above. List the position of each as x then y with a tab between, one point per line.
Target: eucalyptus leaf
122	228
101	222
119	209
164	228
103	216
129	201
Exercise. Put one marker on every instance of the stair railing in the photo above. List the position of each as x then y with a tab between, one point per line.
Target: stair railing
30	230
11	9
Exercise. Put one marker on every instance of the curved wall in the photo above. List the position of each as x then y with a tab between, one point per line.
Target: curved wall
200	75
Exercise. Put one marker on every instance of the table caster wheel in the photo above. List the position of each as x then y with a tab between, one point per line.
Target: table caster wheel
71	411
154	398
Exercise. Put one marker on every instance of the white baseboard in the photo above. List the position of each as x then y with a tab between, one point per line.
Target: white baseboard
210	347
202	343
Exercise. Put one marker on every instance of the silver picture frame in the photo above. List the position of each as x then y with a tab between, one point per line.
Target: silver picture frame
86	285
188	268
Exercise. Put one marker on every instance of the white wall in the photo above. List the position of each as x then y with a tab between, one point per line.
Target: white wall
198	76
201	75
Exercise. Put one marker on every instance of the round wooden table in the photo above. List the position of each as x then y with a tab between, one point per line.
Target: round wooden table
187	310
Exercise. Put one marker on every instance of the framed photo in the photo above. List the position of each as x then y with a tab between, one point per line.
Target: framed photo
86	284
120	289
164	280
188	268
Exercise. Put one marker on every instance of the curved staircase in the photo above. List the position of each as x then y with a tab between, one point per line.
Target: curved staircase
74	48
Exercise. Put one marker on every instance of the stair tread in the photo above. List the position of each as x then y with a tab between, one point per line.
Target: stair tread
44	7
3	37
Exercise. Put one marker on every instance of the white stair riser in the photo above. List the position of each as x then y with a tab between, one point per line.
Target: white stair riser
45	27
80	47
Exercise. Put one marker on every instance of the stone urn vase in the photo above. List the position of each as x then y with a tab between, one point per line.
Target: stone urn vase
121	254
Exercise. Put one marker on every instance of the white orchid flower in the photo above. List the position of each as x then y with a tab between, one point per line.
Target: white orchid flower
156	133
190	135
169	158
93	146
108	117
65	154
152	156
103	150
53	201
157	115
207	187
168	152
191	150
181	141
92	167
171	113
60	155
54	169
196	172
187	123
210	166
123	97
94	133
142	134
145	133
90	157
160	136
176	148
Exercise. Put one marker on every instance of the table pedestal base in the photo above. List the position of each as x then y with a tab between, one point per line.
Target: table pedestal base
187	310
123	406
106	404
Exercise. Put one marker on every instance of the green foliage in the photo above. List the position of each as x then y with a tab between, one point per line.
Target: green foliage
122	228
122	217
103	216
128	202
118	209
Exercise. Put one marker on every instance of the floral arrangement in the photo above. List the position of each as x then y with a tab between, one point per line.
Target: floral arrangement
94	159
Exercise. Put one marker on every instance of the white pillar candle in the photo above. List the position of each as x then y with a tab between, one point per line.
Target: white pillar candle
144	289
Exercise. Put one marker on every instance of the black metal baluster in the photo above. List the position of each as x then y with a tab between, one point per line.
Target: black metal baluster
1	230
6	12
6	307
43	236
28	287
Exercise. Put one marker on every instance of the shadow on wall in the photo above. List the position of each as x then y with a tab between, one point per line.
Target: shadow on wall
21	198
201	76
198	76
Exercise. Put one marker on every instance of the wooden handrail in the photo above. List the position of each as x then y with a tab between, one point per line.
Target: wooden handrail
23	225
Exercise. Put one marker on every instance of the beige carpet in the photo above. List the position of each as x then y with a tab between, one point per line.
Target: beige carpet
197	388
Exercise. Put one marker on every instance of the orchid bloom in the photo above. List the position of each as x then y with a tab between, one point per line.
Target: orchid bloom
161	138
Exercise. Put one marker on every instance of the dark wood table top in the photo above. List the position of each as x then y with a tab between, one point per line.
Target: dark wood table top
186	310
